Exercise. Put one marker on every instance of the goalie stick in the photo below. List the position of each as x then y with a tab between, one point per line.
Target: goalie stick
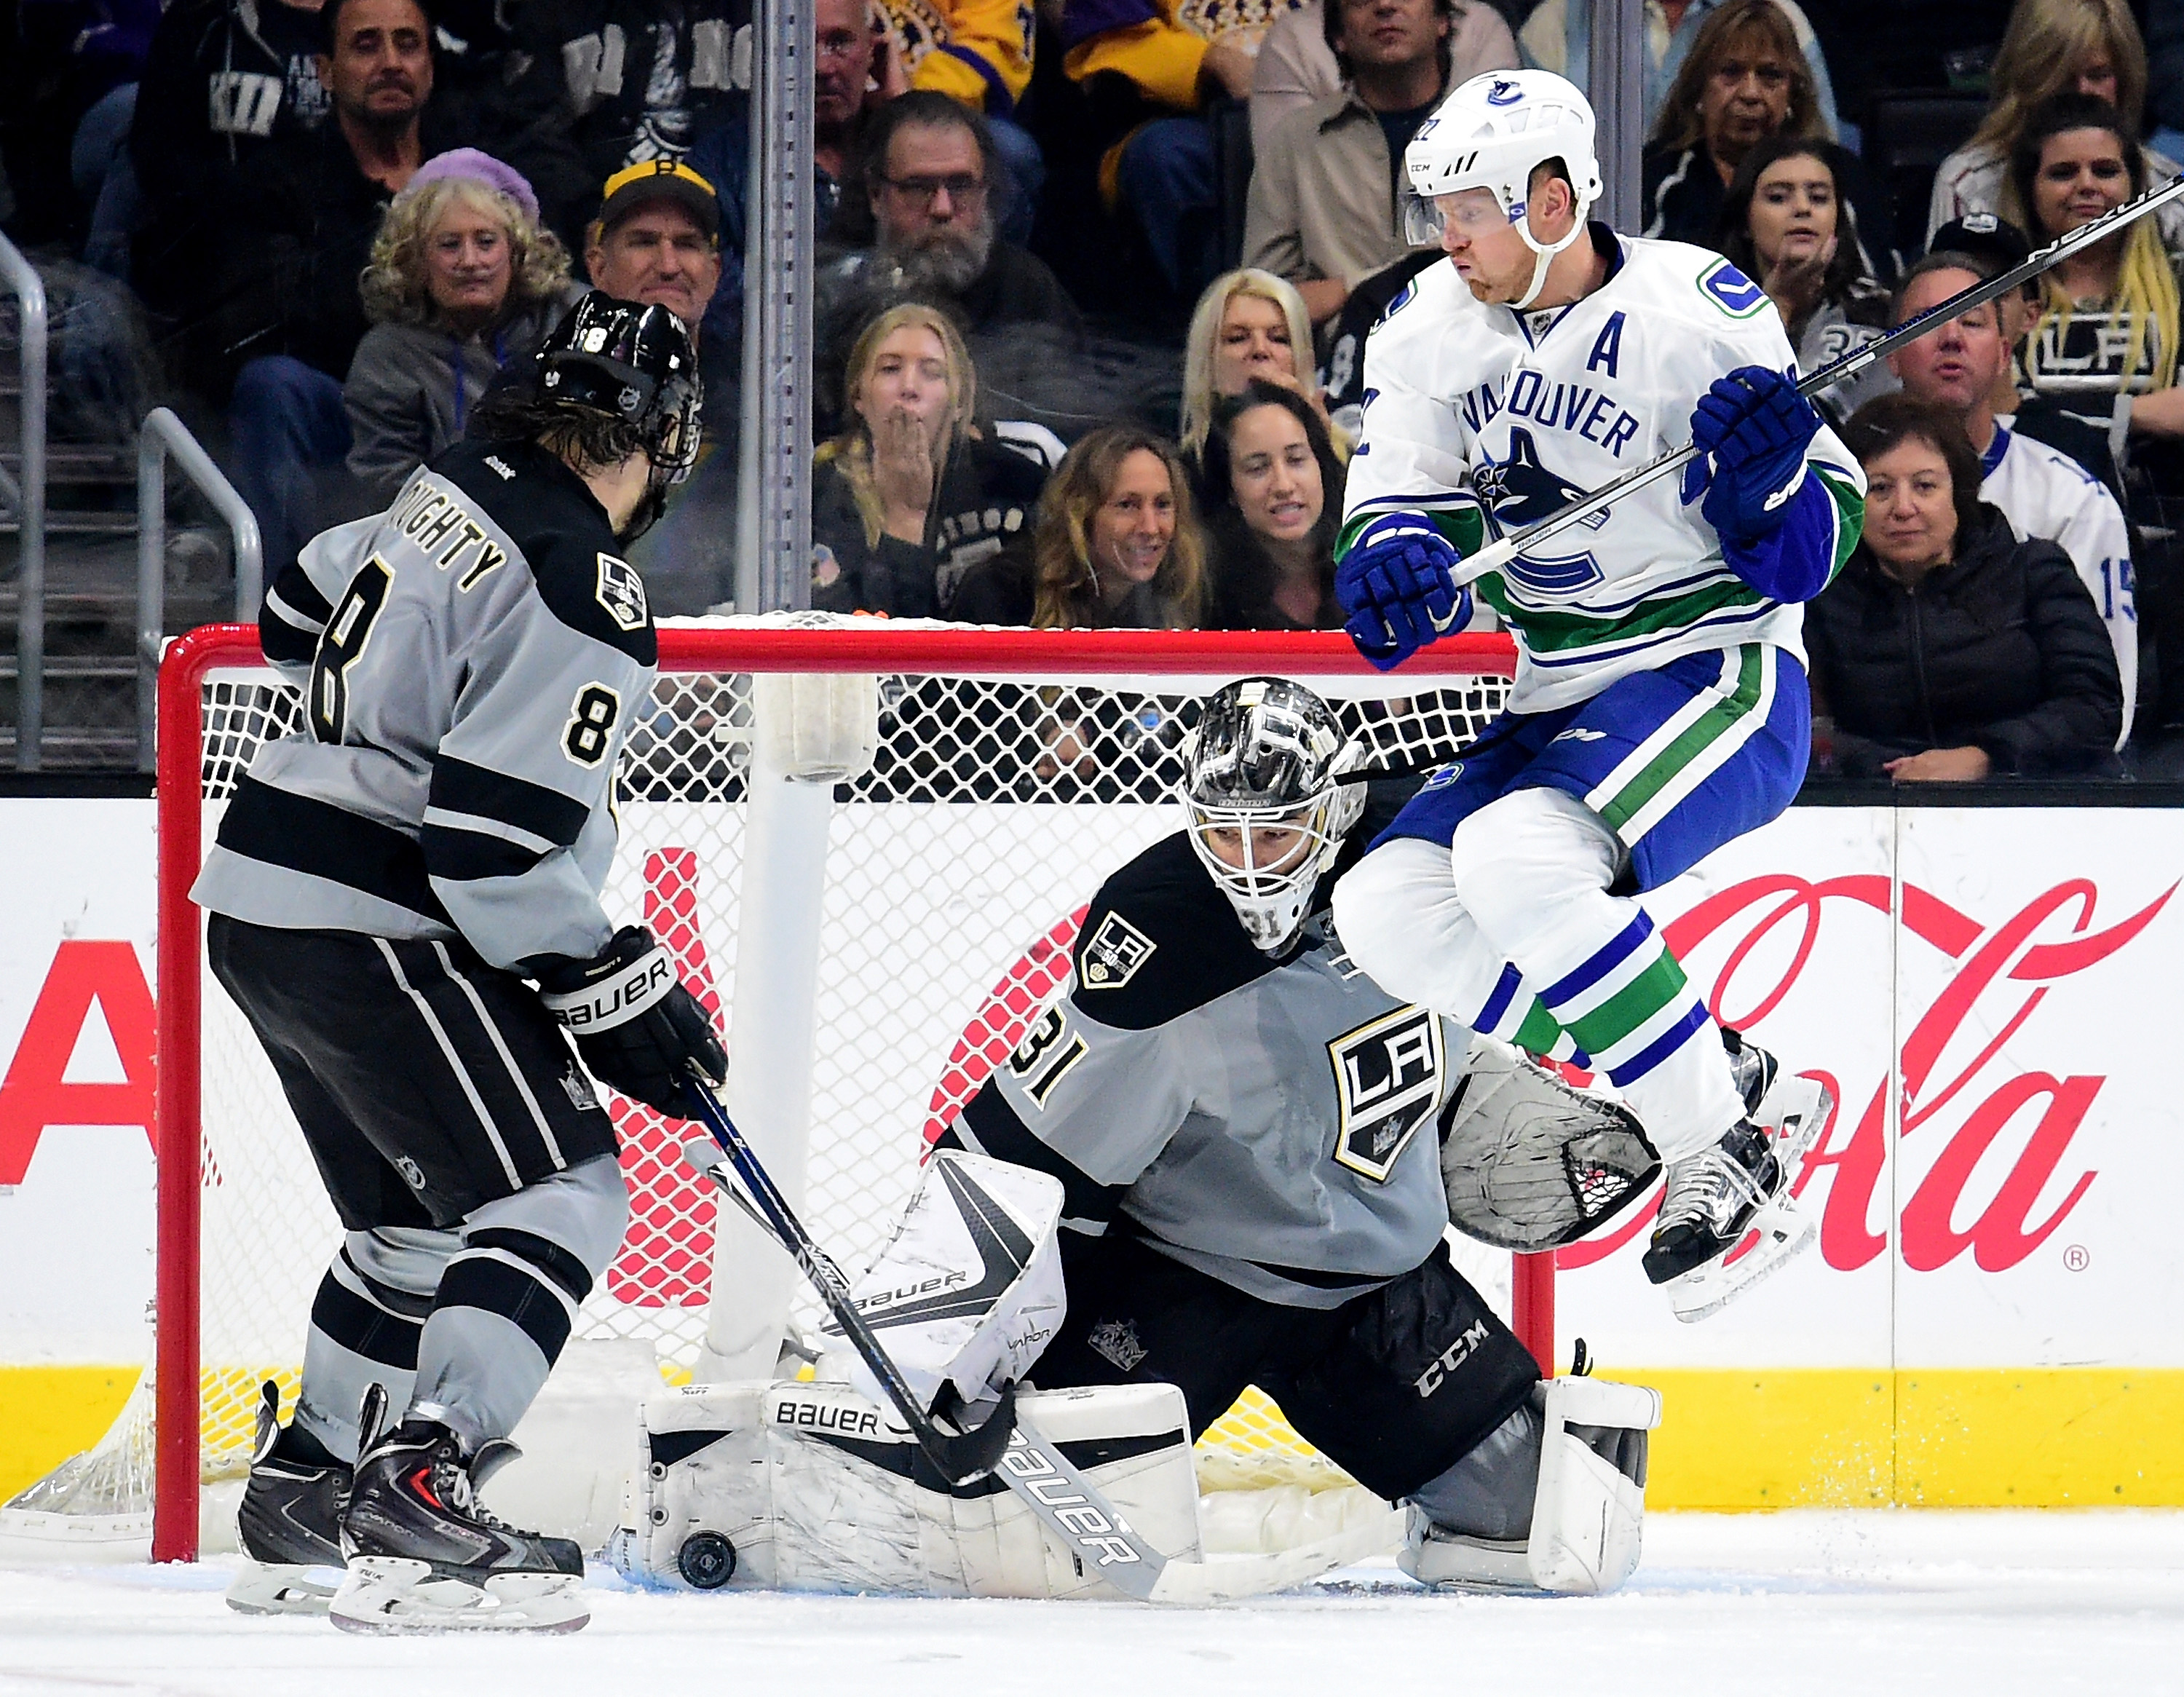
1497	554
1068	1505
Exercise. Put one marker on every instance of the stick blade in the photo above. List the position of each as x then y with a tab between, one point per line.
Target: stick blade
961	1457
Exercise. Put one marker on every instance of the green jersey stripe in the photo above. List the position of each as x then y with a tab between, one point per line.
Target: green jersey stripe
1610	1025
1571	632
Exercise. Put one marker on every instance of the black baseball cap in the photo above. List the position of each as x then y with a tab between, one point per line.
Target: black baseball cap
655	180
1984	237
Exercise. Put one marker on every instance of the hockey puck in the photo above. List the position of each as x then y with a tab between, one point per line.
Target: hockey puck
706	1559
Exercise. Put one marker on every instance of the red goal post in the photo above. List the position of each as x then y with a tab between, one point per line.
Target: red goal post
1049	753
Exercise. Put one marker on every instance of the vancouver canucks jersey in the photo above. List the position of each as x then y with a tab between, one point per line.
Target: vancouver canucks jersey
1270	1121
1487	420
471	660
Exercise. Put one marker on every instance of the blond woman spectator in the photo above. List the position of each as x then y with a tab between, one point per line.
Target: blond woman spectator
463	280
1248	323
1117	544
2050	47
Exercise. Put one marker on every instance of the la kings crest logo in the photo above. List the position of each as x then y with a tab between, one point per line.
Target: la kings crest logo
1387	1078
621	592
1112	957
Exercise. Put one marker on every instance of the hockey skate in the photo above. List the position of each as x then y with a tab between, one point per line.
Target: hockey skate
425	1555
1742	1184
289	1523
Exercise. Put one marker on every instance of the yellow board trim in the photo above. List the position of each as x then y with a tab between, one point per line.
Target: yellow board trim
1778	1438
48	1413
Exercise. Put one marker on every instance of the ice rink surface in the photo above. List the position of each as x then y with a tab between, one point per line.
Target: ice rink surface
1927	1602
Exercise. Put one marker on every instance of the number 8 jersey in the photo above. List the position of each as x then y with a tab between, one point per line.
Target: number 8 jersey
471	659
1487	420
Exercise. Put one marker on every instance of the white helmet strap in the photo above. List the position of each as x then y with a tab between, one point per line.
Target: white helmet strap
1544	252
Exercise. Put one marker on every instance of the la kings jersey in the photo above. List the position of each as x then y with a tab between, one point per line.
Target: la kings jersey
1269	1121
1488	420
2044	493
471	658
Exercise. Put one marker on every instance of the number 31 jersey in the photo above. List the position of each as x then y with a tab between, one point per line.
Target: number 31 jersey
1488	420
471	660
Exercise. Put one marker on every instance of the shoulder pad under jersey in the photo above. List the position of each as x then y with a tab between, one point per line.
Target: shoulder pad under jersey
564	538
1159	940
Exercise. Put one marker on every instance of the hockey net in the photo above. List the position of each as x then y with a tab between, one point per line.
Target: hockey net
1013	771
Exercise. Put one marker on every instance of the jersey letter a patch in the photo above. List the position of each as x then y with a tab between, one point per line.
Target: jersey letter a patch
1116	950
1388	1076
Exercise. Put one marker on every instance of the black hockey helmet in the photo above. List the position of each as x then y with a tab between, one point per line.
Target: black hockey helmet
1260	776
631	362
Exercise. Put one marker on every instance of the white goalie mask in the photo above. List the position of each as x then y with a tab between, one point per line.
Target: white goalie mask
1492	133
1267	816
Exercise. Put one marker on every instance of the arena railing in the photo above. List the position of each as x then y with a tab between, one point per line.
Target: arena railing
26	497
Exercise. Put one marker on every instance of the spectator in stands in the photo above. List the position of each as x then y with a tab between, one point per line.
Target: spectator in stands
657	240
107	52
223	80
1557	37
1116	545
306	209
2051	47
1945	649
854	71
1324	210
1295	66
1743	82
977	52
1273	506
1997	245
1248	325
644	78
930	170
912	495
463	280
1785	224
2044	492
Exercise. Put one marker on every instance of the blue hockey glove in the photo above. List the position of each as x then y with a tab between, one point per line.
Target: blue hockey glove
1396	585
1754	427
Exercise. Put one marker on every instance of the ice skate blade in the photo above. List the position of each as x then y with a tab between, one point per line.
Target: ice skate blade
275	1588
1784	1233
391	1594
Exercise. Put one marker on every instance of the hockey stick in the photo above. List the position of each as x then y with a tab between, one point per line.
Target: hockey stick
960	1456
1498	555
1099	1540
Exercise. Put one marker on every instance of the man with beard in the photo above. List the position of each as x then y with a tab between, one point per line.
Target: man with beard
931	170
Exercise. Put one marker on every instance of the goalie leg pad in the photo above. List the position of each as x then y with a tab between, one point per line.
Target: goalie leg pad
1588	1507
1530	1161
810	1487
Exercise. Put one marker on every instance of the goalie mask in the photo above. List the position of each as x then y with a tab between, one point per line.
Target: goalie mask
1492	133
1267	816
634	362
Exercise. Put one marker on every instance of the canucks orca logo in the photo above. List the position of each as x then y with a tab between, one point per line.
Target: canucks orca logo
1504	93
1521	490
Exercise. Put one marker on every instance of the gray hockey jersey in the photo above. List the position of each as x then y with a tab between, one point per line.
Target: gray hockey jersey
471	659
1269	1120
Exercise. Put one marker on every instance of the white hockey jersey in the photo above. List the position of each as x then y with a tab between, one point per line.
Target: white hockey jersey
1488	420
2044	492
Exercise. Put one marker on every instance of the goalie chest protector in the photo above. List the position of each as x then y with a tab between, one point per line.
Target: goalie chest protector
1268	1120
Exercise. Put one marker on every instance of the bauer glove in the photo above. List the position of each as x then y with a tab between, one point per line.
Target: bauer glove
636	1025
1754	426
1396	583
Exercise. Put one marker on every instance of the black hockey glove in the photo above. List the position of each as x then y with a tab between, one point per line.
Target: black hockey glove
637	1029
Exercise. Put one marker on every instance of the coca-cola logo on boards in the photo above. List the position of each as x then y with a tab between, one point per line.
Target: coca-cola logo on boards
1953	1080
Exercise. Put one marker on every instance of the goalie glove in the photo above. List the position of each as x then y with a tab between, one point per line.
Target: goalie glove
636	1025
1397	584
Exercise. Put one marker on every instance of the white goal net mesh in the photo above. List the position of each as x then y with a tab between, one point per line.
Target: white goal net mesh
957	871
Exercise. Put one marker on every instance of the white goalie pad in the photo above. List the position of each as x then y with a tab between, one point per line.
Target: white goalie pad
969	1288
808	1488
1588	1513
1530	1162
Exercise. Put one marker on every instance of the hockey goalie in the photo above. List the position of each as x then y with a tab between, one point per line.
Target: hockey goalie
1223	1158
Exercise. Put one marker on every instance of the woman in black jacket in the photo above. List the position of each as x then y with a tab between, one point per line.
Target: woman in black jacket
1947	650
1274	494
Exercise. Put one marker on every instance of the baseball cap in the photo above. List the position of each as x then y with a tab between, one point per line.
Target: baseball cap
632	187
1984	237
